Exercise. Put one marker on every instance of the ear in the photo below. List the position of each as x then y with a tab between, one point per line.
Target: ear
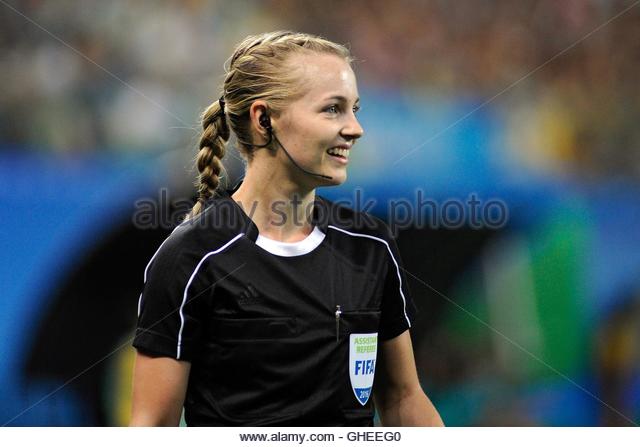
257	115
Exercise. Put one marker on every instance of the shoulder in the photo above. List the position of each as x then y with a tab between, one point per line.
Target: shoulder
352	222
217	227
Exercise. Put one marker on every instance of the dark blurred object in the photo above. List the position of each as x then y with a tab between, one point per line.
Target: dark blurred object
618	360
90	318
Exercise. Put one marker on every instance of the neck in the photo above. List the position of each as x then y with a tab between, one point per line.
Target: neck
279	207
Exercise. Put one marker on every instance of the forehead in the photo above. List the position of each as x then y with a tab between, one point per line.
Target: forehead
325	75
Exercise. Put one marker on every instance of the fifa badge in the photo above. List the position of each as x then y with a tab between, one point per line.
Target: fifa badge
362	364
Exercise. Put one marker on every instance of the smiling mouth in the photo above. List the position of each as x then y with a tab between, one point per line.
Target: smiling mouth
342	154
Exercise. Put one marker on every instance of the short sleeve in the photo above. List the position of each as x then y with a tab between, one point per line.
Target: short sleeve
170	310
398	310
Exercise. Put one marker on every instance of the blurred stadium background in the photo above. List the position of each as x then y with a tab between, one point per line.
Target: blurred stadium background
536	103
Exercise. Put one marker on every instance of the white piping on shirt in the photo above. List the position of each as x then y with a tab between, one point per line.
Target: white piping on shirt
186	289
147	269
404	301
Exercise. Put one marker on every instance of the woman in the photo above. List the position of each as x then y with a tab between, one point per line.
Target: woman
271	305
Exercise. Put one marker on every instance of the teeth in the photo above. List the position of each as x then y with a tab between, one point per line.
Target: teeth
338	151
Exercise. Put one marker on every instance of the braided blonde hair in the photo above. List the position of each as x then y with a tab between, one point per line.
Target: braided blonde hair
257	70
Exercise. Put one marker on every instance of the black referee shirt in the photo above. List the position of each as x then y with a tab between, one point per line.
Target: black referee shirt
277	334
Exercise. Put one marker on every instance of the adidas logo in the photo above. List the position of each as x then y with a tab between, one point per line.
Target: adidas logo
249	295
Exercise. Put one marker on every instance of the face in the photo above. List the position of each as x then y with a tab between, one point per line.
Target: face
319	129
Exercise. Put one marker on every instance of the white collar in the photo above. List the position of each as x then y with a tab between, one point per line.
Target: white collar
289	249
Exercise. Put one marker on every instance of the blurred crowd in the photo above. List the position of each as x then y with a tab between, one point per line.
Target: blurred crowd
126	76
564	73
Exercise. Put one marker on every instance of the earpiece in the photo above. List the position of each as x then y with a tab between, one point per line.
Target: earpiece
265	121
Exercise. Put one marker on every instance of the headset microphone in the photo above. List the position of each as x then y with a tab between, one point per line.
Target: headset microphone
265	122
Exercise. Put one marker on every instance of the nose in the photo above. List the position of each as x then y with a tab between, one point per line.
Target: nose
352	129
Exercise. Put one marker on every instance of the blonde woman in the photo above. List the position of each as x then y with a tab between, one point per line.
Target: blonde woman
270	305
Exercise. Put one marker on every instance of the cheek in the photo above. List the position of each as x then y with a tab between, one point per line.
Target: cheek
303	131
315	139
312	134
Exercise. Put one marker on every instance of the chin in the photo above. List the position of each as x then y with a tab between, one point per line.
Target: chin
338	179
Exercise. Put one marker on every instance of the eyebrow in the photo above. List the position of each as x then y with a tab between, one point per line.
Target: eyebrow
341	98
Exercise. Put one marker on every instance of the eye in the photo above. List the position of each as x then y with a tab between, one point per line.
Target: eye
333	108
356	108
